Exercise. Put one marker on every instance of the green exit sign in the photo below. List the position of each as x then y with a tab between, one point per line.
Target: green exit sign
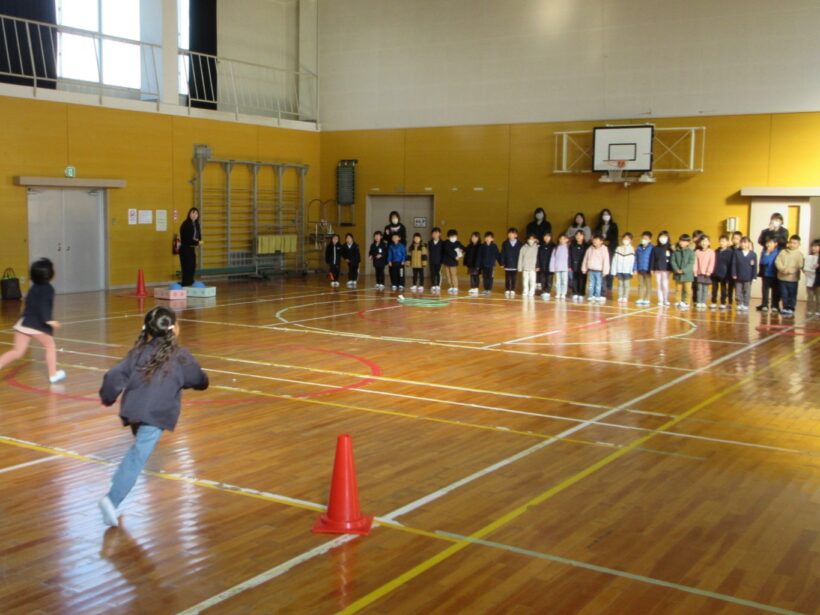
70	171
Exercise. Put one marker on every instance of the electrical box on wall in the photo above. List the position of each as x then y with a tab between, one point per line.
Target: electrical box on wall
346	182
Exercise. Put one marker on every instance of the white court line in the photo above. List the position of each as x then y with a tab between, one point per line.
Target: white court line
619	573
28	463
270	574
295	322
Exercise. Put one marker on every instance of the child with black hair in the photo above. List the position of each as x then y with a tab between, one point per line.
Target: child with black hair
435	249
510	250
333	259
353	257
150	379
396	258
452	251
471	261
488	257
378	257
417	255
683	266
768	276
559	267
643	265
545	249
662	267
704	269
744	271
528	265
577	251
812	288
396	227
722	275
37	321
597	266
789	265
623	266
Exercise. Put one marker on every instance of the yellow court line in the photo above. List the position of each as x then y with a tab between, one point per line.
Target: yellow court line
513	514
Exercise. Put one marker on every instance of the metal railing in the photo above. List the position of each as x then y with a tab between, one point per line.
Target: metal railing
247	88
30	55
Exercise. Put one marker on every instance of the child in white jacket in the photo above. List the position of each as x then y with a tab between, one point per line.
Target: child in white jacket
623	266
528	265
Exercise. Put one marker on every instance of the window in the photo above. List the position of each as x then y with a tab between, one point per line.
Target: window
183	41
82	57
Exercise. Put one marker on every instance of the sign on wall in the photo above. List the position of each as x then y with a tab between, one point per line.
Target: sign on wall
420	222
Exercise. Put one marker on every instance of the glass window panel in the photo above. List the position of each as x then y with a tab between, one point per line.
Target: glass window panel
83	14
121	18
121	64
78	58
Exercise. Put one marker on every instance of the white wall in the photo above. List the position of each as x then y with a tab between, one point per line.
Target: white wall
258	31
401	63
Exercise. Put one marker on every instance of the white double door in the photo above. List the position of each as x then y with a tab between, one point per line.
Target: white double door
68	227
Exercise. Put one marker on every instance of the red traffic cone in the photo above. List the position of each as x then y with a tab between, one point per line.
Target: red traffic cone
343	515
141	292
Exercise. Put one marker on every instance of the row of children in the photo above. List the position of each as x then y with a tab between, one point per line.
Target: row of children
583	267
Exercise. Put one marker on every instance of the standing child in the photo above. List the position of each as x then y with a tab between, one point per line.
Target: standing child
662	267
704	268
488	257
417	255
545	250
452	251
378	256
559	265
434	253
333	258
623	266
768	276
789	264
527	265
643	264
744	270
735	239
396	258
150	379
577	252
596	265
683	266
722	275
37	321
812	289
510	250
351	254
471	261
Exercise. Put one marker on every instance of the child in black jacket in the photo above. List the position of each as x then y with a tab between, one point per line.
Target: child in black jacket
378	256
545	249
451	252
38	320
351	254
435	248
744	270
510	250
471	261
488	258
577	251
722	275
333	259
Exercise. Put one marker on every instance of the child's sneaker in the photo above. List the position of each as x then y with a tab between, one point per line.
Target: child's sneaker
355	284
546	296
723	306
401	287
762	308
412	289
714	306
57	377
394	288
109	513
775	310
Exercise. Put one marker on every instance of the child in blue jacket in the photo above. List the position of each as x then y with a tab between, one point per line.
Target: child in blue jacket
396	258
768	276
643	265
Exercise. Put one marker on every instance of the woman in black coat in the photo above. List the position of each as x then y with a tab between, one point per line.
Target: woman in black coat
395	227
190	236
539	226
609	229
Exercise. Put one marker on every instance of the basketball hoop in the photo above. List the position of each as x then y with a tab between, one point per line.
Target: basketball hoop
615	172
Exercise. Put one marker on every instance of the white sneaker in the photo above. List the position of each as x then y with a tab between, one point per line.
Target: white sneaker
355	284
394	288
109	513
666	303
57	377
537	286
412	289
723	306
473	291
714	306
545	296
683	305
401	287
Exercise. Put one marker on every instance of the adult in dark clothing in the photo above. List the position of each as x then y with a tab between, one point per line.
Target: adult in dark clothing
539	226
776	230
608	229
395	227
190	236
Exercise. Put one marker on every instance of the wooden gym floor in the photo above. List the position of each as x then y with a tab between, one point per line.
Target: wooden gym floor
520	457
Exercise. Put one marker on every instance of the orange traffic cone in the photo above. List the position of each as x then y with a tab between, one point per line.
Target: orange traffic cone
343	515
141	292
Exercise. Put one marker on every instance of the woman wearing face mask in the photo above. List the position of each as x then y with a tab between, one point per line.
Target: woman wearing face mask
539	226
395	227
190	236
661	267
579	223
776	230
609	230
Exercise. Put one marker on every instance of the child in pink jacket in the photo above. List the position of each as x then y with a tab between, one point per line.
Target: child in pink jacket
596	265
704	267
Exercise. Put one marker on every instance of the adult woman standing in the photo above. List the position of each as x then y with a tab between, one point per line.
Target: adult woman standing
190	236
395	227
579	223
539	226
608	228
775	231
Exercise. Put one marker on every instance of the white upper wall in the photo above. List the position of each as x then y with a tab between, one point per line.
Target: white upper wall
404	63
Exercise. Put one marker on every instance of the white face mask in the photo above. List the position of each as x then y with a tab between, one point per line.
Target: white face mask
776	224
664	240
626	242
606	217
453	239
531	241
394	220
539	216
644	242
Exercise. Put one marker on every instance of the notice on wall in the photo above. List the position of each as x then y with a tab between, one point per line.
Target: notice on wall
132	216
146	216
162	219
419	222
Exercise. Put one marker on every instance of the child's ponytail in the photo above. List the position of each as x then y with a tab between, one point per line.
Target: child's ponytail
158	324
